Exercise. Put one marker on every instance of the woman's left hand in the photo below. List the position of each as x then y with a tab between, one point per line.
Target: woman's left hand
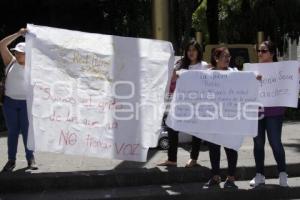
259	77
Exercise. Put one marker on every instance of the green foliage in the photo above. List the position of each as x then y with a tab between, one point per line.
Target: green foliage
130	17
199	20
240	20
118	17
234	21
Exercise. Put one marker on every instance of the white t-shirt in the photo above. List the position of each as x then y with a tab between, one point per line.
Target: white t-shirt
199	66
232	69
15	81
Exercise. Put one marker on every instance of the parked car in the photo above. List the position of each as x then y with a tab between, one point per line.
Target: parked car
163	141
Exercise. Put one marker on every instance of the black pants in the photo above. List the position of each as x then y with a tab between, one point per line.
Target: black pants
173	141
215	157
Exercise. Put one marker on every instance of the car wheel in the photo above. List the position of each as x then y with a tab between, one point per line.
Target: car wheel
164	143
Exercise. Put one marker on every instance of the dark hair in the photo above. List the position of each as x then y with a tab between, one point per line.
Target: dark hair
272	49
185	61
217	52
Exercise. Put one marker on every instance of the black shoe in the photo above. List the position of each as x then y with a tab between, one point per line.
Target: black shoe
32	165
212	183
9	166
230	185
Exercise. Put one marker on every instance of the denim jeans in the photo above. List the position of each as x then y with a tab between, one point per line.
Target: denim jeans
273	126
15	113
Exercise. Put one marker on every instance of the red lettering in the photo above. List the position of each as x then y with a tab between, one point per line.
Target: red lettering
67	138
127	149
119	149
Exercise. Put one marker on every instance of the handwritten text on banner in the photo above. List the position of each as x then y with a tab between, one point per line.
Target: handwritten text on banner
217	106
92	94
280	83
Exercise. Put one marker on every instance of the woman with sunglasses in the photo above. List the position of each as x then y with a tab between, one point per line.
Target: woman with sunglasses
220	60
270	122
192	60
14	105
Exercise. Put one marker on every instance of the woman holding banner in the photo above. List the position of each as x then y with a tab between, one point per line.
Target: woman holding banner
14	104
271	119
192	60
220	60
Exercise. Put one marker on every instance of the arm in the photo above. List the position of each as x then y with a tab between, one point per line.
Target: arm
4	51
174	76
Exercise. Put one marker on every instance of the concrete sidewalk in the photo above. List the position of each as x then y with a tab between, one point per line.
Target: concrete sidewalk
50	162
186	191
65	172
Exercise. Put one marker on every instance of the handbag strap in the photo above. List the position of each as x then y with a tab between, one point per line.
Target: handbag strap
6	72
8	68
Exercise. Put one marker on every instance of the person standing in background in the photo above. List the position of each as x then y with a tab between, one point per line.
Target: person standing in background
271	119
220	60
192	60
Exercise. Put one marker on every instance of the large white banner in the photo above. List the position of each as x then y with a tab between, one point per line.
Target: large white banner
93	94
217	106
280	83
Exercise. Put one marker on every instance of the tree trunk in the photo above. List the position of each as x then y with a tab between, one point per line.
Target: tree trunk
212	14
188	9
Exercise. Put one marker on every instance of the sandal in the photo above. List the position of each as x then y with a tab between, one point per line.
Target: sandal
168	164
191	163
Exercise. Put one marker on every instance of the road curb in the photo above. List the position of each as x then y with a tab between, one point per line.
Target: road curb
16	182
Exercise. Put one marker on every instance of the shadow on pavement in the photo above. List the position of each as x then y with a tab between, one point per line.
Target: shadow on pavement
132	164
295	145
3	134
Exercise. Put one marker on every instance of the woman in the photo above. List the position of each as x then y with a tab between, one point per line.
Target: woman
270	121
192	60
220	60
14	105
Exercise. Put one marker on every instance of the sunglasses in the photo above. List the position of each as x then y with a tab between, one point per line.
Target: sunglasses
262	51
225	56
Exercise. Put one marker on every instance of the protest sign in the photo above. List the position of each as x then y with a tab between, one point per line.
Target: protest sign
93	94
217	106
280	83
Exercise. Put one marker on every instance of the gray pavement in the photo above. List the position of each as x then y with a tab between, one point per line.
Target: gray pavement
78	177
186	191
50	162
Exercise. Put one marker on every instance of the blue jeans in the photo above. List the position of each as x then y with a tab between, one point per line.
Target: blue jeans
15	113
273	126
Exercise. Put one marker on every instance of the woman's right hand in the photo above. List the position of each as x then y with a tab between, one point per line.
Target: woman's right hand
23	31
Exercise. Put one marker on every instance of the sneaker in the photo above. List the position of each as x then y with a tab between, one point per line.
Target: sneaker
229	184
259	179
214	182
32	165
9	166
283	179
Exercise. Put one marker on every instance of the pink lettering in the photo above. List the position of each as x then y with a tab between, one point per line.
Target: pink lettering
127	149
67	138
